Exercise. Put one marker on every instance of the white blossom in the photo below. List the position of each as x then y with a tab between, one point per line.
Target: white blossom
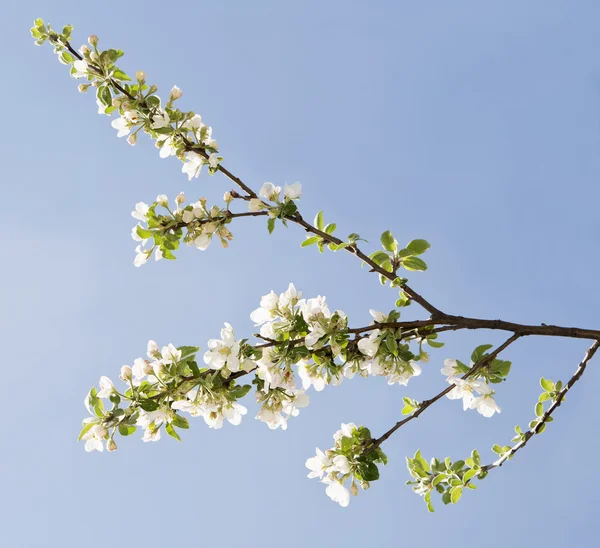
81	68
192	165
223	352
140	212
292	192
318	464
269	191
106	387
121	125
337	493
161	120
141	257
93	438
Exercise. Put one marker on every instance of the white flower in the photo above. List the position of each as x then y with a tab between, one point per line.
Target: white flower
464	389
192	165
213	161
345	430
450	369
141	257
203	241
170	354
314	309
140	212
140	369
161	120
292	406
255	205
166	147
269	191
316	332
337	493
341	464
485	405
224	352
162	200
81	68
175	94
234	413
151	349
318	465
292	192
379	317
194	123
93	438
106	387
370	345
289	297
136	236
404	375
268	306
272	419
122	126
126	373
309	378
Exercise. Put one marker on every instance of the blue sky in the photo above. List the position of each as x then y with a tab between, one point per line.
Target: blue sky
475	125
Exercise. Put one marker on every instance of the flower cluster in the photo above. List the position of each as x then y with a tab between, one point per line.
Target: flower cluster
384	356
350	461
278	208
476	392
176	133
448	478
201	223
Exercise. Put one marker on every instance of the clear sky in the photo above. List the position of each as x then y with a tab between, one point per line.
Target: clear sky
475	125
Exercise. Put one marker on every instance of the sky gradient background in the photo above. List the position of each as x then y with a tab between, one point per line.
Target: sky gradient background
475	125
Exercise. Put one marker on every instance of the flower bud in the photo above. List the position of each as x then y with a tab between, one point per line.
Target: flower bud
162	200
93	40
159	369
365	485
140	76
126	373
176	93
83	88
227	197
132	139
354	489
96	84
111	445
84	50
117	102
255	205
215	211
94	57
180	198
153	89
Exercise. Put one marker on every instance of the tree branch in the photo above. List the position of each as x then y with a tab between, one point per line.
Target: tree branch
428	403
560	397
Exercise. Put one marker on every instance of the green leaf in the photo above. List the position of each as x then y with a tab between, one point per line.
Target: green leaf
84	430
271	225
310	241
166	253
118	74
346	443
104	96
455	494
469	474
407	409
330	228
435	344
479	352
125	430
369	471
416	247
547	385
414	263
180	422
388	241
171	431
240	391
187	351
319	220
539	409
143	232
379	257
148	405
439	478
497	449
